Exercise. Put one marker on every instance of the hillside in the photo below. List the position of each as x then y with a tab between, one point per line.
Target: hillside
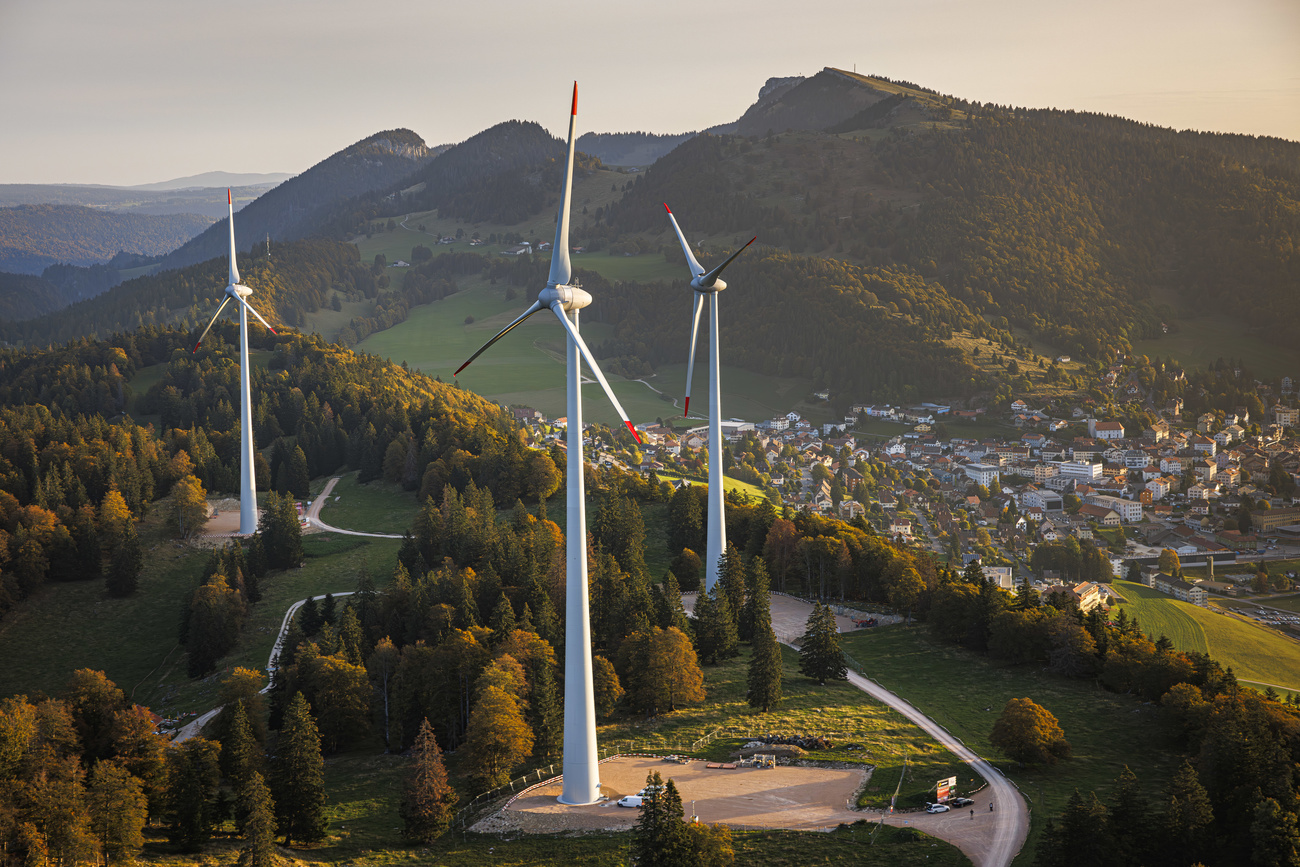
33	237
294	209
26	296
295	279
1085	231
629	148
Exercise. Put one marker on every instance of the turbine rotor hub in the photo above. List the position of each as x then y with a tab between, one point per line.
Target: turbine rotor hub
717	285
239	290
569	297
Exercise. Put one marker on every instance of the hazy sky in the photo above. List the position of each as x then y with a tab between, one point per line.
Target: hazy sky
136	91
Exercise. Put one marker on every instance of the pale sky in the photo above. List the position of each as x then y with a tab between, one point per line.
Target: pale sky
138	91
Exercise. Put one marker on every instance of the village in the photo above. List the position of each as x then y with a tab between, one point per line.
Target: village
1217	490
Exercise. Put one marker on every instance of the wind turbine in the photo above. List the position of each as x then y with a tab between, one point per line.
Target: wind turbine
238	292
707	284
581	768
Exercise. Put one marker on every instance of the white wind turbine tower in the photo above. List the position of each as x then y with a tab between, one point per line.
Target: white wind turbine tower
581	770
707	284
238	292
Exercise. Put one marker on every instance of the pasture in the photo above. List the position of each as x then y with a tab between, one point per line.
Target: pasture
527	366
965	692
1257	655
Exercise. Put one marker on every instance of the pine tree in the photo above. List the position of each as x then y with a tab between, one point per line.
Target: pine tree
820	656
545	712
502	620
429	800
731	580
299	776
1188	816
715	628
758	605
258	810
193	774
765	669
125	564
329	612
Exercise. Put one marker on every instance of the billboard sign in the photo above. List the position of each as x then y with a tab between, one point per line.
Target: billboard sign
943	789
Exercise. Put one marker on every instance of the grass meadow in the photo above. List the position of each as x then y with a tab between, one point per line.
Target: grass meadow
1256	654
527	366
965	692
375	507
1201	341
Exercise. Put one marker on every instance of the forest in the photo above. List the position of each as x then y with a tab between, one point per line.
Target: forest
33	237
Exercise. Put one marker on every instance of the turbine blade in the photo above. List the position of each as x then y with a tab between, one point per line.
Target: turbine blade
537	305
708	278
234	270
199	342
591	363
690	359
696	268
561	270
258	315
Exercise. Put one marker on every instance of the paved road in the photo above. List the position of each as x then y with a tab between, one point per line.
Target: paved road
313	516
991	840
195	727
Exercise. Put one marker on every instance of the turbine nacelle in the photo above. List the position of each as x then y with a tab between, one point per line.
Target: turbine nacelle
568	297
239	290
717	285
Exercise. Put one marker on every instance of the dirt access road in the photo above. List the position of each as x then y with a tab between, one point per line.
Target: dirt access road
990	838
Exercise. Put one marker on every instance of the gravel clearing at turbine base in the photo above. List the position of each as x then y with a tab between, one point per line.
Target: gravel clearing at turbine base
808	799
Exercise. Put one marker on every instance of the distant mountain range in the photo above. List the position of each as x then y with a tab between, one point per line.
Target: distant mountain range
1084	232
205	201
218	180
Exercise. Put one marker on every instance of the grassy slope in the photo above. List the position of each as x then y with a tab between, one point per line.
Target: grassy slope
1201	341
1255	654
527	367
955	687
375	507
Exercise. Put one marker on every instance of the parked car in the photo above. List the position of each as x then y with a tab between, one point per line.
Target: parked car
960	802
630	801
929	808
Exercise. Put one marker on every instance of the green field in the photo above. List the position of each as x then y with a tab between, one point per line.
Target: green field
527	366
133	640
1256	654
754	492
1287	603
1201	341
375	507
965	692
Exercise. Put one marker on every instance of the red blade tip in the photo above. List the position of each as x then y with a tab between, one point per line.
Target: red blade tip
229	200
459	369
575	99
666	208
686	411
635	435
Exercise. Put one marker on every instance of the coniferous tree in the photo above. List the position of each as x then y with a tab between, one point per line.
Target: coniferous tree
764	680
258	811
820	656
241	754
193	775
731	580
281	532
668	606
310	618
502	621
715	628
758	603
125	564
329	612
545	712
299	776
1188	816
429	800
